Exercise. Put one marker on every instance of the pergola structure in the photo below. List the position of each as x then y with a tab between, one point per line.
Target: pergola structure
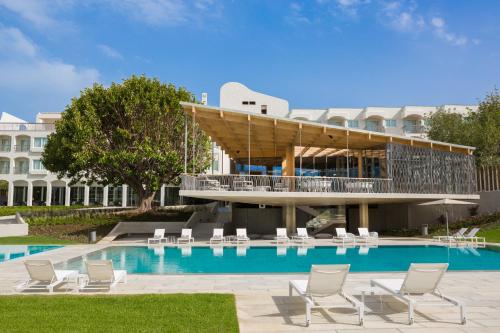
247	137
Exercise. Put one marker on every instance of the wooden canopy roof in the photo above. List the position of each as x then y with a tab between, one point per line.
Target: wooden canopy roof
237	132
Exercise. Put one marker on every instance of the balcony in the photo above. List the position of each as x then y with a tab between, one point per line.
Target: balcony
27	127
4	170
21	170
258	183
5	148
414	129
22	148
375	128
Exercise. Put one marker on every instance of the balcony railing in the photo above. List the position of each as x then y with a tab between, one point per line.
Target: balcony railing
21	170
27	127
22	148
417	129
4	171
285	184
374	128
5	148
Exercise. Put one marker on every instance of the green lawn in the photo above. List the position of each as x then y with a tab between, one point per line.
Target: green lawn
131	313
4	211
35	240
491	232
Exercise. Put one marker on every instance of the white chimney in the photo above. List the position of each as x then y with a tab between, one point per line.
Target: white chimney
204	98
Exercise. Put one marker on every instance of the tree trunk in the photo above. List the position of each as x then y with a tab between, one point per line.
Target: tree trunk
145	201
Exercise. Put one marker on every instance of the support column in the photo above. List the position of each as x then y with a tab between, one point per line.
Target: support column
86	195
162	195
360	164
105	194
124	195
29	196
363	215
48	194
10	194
289	221
67	195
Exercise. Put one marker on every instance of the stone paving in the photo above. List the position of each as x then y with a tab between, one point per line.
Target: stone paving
263	304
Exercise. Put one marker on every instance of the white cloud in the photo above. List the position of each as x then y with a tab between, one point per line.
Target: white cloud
402	17
110	52
351	7
28	78
296	15
40	13
439	25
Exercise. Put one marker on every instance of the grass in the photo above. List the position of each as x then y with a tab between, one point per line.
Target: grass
491	232
4	211
35	240
131	313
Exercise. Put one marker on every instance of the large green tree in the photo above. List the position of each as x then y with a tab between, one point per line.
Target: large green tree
480	129
129	133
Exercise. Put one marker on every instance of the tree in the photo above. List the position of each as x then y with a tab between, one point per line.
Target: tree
130	133
480	129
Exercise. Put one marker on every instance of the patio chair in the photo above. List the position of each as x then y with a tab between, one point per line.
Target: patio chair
206	184
420	280
158	236
43	276
185	237
343	236
217	236
102	276
281	235
301	236
240	184
457	235
325	281
366	236
471	236
241	235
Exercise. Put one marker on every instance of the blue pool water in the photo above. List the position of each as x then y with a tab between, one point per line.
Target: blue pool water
9	252
206	260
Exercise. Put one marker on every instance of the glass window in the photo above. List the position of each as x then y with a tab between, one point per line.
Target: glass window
38	165
353	123
390	123
372	125
40	142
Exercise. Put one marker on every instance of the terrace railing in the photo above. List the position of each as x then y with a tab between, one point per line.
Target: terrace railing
27	127
285	184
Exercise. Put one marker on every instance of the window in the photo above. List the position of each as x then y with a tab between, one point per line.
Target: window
244	102
263	109
38	165
390	123
251	102
40	142
352	123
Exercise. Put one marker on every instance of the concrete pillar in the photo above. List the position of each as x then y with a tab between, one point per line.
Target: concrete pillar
363	215
29	199
289	220
48	194
105	194
86	195
124	195
10	194
162	195
67	195
288	163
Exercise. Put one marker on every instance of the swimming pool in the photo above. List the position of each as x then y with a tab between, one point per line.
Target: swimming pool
227	260
8	252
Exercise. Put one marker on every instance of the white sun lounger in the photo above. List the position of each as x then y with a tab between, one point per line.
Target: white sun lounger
218	236
301	236
281	235
325	281
366	236
43	276
343	236
421	279
241	235
471	237
456	236
185	236
102	276
158	236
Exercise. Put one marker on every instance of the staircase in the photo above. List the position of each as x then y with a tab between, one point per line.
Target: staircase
309	210
203	222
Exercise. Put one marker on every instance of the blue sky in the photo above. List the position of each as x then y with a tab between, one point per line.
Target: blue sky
314	53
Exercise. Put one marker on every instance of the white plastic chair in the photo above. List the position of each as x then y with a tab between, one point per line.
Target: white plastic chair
158	236
185	236
325	281
281	235
241	235
343	236
43	276
102	276
421	279
301	236
218	236
366	236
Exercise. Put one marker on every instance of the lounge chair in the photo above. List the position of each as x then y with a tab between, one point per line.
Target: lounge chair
281	235
43	276
185	237
421	279
218	236
457	235
102	276
343	236
367	236
158	236
325	281
241	235
471	237
301	236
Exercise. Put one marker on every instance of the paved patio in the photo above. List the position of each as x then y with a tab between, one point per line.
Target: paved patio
264	306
